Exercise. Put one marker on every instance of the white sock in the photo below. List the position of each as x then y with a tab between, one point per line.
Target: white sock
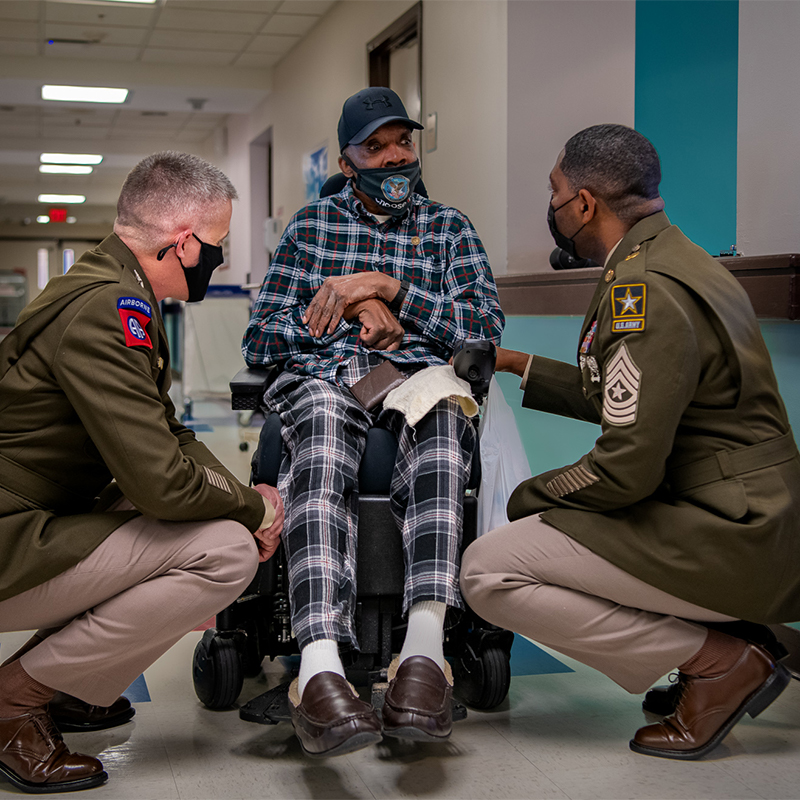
319	656
425	632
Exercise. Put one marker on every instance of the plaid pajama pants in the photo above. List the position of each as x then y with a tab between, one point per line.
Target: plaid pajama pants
324	434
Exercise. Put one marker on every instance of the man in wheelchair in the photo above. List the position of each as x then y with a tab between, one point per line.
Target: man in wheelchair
374	276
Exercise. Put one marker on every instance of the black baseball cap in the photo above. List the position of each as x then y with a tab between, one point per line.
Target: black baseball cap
366	111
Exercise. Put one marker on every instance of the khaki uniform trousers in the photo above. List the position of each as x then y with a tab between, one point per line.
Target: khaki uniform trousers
108	618
531	578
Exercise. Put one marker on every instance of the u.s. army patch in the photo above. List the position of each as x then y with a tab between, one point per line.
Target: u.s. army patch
628	307
621	389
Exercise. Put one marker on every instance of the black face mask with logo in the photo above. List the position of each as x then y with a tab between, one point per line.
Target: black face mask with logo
199	276
389	187
566	243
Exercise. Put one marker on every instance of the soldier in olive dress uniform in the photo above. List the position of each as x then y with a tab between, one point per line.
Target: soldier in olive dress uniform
684	515
119	531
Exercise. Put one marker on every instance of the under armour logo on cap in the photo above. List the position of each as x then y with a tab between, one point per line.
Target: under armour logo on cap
369	102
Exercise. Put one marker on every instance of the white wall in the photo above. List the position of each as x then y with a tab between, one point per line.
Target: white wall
768	188
570	65
464	72
464	81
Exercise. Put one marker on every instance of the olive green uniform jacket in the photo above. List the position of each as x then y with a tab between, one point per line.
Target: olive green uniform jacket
84	412
694	483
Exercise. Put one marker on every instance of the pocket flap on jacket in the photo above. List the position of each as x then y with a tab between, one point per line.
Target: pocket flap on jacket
725	498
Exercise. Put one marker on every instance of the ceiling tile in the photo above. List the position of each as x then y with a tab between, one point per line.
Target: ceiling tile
155	55
134	16
105	35
214	21
257	60
231	42
290	23
13	29
272	44
252	6
317	7
19	9
91	51
8	48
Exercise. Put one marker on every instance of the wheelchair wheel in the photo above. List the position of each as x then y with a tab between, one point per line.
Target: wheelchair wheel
482	678
217	671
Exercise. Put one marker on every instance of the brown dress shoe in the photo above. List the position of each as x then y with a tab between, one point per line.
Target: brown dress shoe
34	758
72	715
709	707
419	700
331	719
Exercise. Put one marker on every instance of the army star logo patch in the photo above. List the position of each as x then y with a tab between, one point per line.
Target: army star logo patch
621	389
628	307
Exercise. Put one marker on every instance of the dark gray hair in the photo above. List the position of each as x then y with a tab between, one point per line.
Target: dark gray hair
615	163
168	190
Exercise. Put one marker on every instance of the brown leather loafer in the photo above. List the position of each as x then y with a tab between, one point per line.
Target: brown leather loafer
709	707
34	758
72	715
332	720
419	700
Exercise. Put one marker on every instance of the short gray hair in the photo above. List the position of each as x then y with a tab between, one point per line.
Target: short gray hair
166	191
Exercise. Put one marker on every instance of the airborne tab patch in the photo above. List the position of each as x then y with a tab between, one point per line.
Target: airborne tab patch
628	307
135	314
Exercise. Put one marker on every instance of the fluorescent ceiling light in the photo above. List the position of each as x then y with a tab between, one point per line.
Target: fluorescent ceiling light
65	169
69	158
147	2
84	94
62	198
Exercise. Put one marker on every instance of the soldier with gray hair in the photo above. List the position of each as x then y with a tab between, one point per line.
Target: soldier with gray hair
120	531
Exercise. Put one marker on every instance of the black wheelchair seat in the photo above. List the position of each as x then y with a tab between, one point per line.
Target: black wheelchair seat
258	624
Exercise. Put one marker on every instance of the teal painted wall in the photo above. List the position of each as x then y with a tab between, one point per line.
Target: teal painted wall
551	441
686	103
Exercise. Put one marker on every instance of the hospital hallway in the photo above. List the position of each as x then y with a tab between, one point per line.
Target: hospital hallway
562	732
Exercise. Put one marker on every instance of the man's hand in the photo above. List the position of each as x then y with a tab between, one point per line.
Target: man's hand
380	329
268	539
511	361
339	291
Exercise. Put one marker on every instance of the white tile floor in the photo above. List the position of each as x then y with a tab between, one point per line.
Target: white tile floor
557	736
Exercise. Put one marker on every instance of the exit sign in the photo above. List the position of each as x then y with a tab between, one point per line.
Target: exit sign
58	214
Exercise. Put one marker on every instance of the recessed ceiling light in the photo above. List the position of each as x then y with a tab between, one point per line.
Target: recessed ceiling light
65	169
43	219
69	158
62	198
84	94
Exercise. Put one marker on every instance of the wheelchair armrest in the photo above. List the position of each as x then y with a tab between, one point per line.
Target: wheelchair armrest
248	387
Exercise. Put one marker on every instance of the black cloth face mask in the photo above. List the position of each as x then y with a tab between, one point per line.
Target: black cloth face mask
389	187
199	276
566	243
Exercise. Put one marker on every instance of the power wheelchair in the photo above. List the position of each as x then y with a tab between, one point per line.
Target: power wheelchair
257	625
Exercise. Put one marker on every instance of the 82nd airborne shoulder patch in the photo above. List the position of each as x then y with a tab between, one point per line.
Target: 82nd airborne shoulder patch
628	307
135	314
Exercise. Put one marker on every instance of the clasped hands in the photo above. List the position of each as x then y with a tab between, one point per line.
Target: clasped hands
362	296
268	539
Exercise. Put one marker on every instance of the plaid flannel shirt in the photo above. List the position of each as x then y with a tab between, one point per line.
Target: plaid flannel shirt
452	294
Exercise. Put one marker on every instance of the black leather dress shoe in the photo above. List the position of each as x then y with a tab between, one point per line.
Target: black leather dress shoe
72	715
34	758
331	719
419	701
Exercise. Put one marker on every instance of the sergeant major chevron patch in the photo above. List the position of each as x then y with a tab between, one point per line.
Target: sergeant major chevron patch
621	389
